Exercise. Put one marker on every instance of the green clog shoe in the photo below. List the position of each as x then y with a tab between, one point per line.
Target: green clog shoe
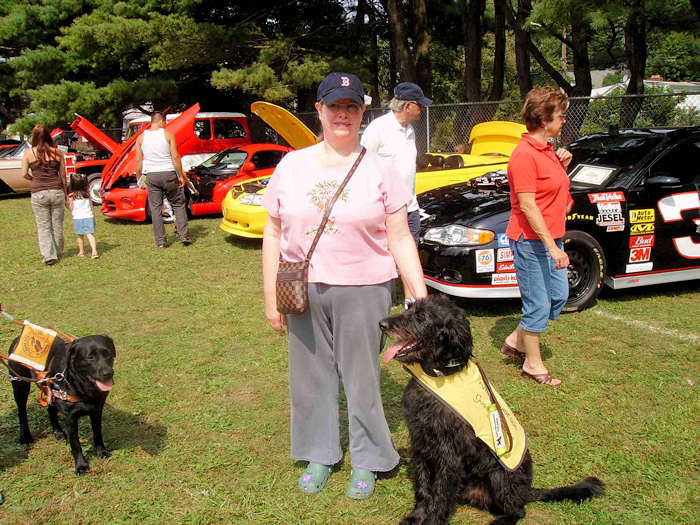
314	478
361	484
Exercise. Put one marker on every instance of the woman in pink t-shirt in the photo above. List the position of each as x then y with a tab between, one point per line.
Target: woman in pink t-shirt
350	287
540	200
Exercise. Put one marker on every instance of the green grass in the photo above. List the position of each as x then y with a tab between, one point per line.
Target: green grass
198	418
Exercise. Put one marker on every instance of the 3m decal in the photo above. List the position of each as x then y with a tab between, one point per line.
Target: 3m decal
579	217
485	261
642	241
642	228
503	267
642	215
670	208
643	267
504	254
504	278
640	255
608	196
502	239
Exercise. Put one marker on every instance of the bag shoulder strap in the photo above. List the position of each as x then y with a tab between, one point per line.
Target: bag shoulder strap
322	226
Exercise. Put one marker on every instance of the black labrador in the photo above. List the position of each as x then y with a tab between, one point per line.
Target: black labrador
450	461
86	371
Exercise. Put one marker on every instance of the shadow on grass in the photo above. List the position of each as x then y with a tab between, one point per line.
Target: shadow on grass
122	431
659	291
243	243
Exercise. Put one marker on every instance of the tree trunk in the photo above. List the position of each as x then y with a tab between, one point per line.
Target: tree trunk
421	44
636	52
472	24
582	82
399	41
522	43
499	53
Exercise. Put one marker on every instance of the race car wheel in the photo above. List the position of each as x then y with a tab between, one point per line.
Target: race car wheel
94	186
586	270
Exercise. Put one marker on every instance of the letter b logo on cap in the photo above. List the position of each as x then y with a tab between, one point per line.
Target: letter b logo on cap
344	81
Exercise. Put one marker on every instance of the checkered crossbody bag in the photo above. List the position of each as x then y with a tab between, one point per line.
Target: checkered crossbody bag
293	277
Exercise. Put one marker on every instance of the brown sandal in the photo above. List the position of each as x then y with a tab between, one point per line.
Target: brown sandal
513	352
543	379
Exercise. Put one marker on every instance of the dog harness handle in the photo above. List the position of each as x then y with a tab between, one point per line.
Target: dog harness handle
494	401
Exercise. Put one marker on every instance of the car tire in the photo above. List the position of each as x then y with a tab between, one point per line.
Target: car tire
94	187
586	270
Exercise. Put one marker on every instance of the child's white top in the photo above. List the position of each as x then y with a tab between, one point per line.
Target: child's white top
82	209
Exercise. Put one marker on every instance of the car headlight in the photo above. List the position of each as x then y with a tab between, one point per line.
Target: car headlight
253	199
456	235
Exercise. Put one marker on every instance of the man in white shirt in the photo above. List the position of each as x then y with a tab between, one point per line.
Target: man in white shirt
157	157
392	136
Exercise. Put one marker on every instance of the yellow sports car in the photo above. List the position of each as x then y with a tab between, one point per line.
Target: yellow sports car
491	145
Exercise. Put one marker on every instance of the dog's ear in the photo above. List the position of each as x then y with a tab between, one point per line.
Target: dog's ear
109	343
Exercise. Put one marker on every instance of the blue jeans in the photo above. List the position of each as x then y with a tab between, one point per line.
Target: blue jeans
543	289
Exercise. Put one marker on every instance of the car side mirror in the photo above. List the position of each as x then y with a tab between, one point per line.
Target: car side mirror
248	166
663	181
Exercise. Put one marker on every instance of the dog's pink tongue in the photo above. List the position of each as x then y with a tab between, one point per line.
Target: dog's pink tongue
391	352
106	386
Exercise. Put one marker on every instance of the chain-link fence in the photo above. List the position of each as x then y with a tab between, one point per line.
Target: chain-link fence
443	127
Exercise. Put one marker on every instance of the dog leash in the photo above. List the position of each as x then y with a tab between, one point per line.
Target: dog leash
66	336
496	415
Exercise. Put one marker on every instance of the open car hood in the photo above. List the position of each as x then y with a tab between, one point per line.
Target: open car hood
495	137
123	161
95	136
293	130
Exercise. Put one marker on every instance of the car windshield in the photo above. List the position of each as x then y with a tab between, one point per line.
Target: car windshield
226	159
621	150
14	152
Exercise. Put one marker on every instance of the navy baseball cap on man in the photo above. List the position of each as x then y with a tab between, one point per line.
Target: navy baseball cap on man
337	86
411	92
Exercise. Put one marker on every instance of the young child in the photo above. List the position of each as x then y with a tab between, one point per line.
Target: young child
81	209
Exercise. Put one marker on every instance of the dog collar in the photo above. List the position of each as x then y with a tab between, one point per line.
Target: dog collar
452	363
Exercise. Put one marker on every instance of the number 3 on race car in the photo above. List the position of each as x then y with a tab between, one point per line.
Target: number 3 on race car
670	208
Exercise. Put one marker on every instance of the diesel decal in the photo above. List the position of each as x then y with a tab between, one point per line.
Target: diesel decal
642	228
640	255
642	215
642	241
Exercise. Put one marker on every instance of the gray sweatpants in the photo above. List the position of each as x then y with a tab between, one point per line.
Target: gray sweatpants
338	337
160	183
49	207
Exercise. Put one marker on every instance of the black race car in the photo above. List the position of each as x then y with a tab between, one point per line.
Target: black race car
635	220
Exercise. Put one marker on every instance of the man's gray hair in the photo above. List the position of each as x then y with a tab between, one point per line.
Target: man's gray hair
396	104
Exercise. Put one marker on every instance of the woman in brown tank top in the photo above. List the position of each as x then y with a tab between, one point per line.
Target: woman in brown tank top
45	166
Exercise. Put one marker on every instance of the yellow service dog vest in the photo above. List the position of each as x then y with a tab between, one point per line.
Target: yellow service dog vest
466	394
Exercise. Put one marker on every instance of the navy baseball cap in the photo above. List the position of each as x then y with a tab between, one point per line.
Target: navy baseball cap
337	86
412	92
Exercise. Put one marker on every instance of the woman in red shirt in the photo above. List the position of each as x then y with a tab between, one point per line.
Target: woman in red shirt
540	200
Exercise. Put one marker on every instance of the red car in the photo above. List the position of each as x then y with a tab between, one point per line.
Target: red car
211	181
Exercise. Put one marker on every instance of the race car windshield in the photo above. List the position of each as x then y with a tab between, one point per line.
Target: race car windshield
229	159
622	150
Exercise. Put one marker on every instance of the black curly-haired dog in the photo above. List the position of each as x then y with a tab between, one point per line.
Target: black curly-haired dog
450	462
86	365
